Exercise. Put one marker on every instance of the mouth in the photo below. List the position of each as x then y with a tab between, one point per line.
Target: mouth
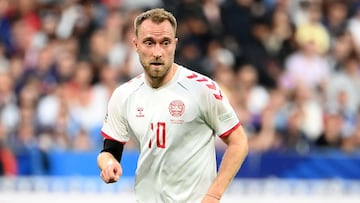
156	63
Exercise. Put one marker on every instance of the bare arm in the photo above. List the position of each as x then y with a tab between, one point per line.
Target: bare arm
235	153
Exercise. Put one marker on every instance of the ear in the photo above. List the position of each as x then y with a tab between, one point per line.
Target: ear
135	43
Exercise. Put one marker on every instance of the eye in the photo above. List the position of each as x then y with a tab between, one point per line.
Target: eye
166	43
148	43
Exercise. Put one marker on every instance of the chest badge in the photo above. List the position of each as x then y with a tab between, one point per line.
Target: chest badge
140	112
176	108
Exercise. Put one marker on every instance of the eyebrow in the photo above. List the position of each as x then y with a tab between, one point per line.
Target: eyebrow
152	39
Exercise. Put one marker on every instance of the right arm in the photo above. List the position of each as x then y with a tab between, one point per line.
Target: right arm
114	130
109	161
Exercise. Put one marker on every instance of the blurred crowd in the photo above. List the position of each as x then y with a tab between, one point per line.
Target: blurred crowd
291	69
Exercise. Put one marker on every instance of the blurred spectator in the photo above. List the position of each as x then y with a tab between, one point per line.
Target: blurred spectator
258	54
130	4
306	67
336	13
82	142
256	96
273	6
65	126
332	136
57	126
27	21
85	25
342	94
98	48
354	26
311	110
31	159
5	26
4	63
49	108
65	61
27	10
114	32
29	95
346	81
342	47
305	120
269	124
212	13
196	35
279	103
251	97
25	45
43	71
9	110
351	144
8	163
84	100
16	71
280	42
242	11
293	136
49	22
299	11
71	13
313	31
108	80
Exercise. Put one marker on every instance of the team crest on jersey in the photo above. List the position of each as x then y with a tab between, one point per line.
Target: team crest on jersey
140	112
176	108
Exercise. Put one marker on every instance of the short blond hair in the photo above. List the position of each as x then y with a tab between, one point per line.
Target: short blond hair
156	15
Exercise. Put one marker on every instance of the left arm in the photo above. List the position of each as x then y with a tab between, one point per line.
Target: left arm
235	153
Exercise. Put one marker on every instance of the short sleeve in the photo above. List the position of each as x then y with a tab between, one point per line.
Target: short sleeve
218	112
114	125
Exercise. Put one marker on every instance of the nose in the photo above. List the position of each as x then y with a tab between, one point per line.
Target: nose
157	51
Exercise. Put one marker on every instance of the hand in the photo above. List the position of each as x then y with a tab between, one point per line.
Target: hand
210	199
112	172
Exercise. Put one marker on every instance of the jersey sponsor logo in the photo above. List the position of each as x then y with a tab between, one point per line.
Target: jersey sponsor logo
225	116
106	117
209	83
176	108
140	112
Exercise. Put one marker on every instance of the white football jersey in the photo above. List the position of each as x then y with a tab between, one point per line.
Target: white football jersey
174	127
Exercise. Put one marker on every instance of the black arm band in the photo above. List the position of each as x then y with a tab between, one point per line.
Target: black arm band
113	147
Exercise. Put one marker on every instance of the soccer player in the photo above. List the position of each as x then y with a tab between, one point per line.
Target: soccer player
174	115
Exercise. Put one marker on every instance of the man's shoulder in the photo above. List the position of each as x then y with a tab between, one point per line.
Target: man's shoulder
198	82
194	78
130	86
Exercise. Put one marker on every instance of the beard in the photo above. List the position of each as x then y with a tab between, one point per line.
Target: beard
156	69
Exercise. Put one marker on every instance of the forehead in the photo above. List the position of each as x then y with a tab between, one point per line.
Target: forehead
151	29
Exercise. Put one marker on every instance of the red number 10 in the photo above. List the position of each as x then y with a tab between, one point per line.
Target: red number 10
160	132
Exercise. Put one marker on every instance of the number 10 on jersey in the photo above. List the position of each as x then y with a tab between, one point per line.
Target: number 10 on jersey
159	129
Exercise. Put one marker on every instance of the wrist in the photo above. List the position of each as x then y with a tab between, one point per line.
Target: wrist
104	160
218	197
109	162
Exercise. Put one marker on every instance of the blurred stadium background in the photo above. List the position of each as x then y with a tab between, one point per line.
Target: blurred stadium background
291	69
